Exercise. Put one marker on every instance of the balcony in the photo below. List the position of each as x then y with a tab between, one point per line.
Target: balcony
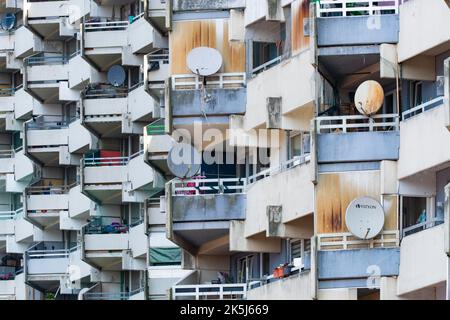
7	223
7	161
163	278
45	204
432	38
105	240
9	277
296	101
288	185
46	264
57	140
25	105
158	67
226	91
44	76
111	111
423	261
360	22
353	268
102	178
47	139
6	100
111	42
50	19
113	180
25	171
423	131
201	209
294	287
188	288
358	138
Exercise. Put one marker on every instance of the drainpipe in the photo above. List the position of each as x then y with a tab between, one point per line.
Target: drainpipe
168	124
447	236
314	166
447	90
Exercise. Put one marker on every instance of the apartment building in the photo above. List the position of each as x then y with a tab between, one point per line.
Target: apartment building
101	100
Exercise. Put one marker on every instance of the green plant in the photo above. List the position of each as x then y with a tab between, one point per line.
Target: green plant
49	296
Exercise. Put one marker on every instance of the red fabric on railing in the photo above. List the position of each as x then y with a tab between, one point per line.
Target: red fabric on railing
110	154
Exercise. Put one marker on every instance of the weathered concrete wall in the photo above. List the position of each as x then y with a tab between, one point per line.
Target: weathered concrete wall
339	31
417	34
209	207
358	146
292	189
352	264
222	102
423	138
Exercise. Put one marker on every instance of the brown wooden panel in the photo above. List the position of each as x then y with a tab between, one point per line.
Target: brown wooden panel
335	191
300	12
187	35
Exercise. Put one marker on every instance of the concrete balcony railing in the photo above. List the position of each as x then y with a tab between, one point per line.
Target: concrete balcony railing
200	210
105	242
44	204
227	92
7	161
430	223
359	22
358	138
45	258
265	84
347	8
46	138
118	179
210	291
7	222
7	99
429	22
52	19
44	73
105	42
104	107
288	184
423	132
137	294
354	267
436	102
423	261
158	67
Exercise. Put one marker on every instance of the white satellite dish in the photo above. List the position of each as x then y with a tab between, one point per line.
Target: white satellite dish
184	161
365	218
369	97
204	61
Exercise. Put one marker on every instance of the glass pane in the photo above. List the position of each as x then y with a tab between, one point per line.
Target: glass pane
296	146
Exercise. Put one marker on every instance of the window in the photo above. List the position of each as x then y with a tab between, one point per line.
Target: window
245	268
415	94
299	144
418	213
298	248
